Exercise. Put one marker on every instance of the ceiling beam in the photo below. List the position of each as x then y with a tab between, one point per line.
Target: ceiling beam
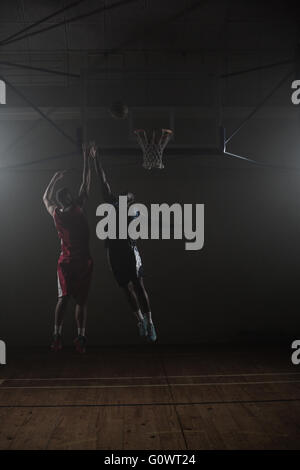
42	20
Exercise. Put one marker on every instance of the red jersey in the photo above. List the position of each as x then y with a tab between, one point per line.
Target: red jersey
73	231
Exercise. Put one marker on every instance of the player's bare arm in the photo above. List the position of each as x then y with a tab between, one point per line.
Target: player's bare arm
105	187
48	197
84	189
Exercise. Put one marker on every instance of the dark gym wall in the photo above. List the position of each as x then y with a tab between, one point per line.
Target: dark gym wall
242	285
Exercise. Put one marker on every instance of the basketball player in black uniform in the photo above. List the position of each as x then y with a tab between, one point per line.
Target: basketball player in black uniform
125	260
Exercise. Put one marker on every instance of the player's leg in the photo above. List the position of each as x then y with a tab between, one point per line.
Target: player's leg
135	307
133	300
60	311
63	287
143	297
82	276
140	291
80	318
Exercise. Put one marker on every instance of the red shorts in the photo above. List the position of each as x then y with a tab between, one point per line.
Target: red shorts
74	277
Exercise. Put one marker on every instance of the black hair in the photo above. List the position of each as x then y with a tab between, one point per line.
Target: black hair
125	192
61	195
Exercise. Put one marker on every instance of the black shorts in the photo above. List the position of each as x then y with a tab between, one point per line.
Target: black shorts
125	263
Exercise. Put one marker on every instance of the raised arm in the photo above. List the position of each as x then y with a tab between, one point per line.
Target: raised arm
84	189
48	197
108	196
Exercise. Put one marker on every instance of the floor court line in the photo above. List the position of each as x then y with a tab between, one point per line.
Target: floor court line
115	405
148	377
208	384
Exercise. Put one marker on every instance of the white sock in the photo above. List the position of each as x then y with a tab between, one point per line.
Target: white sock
57	329
139	315
148	315
81	331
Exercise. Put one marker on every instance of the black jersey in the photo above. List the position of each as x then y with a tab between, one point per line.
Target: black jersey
118	243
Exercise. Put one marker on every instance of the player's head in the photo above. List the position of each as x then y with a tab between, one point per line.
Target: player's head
64	197
130	197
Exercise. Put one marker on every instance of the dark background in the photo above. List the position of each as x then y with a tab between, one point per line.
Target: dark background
161	57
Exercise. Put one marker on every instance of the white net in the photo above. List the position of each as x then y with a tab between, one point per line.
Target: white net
153	145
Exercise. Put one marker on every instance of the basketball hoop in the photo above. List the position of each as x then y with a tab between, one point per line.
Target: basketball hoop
153	144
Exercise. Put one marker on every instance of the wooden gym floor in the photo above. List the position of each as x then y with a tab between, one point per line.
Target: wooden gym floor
185	397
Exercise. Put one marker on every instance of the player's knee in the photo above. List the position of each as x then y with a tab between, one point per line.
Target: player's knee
140	285
63	301
130	287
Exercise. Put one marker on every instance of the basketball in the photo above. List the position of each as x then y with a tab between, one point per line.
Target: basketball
119	110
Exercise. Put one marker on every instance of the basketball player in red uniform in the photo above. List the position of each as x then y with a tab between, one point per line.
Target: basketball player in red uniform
75	265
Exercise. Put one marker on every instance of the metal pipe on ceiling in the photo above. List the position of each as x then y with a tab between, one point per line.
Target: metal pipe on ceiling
71	20
39	111
42	20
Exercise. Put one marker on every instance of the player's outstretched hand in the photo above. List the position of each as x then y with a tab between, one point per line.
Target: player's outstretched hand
85	148
60	174
93	149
